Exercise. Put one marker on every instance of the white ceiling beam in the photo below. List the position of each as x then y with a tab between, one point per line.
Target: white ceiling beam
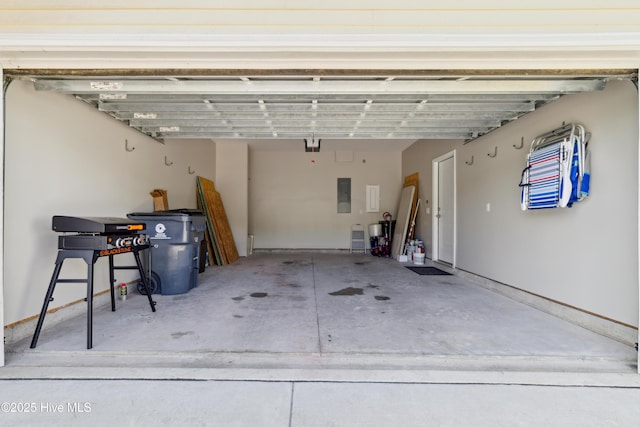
222	100
303	135
305	87
304	121
324	130
293	116
149	107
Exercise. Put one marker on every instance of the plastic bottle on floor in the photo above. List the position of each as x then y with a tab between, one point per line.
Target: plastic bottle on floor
123	292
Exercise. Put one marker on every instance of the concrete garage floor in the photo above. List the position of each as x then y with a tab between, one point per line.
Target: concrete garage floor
329	304
303	339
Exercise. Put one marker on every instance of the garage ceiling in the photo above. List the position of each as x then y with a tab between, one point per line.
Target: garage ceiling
316	107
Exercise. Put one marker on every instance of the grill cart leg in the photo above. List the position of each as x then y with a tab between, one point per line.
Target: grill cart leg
47	299
112	282
143	279
89	305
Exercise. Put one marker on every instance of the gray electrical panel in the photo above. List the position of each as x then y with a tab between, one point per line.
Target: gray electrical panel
344	195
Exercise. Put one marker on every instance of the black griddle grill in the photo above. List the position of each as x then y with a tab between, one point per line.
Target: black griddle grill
93	238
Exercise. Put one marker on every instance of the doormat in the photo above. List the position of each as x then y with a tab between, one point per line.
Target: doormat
428	271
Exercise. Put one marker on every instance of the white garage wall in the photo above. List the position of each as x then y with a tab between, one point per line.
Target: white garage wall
65	158
293	196
585	256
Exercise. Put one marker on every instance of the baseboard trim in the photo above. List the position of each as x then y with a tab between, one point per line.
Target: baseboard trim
619	331
24	328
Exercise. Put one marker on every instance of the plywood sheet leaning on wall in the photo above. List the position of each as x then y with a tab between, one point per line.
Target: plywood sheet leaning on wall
402	224
219	230
208	200
223	230
412	180
212	244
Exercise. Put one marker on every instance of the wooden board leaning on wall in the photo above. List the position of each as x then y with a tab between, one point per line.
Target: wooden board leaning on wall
412	180
221	244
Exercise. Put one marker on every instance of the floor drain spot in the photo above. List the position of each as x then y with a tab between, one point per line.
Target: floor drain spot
382	298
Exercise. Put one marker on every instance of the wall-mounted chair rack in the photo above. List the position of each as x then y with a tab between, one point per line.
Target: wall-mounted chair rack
558	169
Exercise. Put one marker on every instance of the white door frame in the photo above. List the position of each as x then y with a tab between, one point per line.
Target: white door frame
638	236
435	181
2	217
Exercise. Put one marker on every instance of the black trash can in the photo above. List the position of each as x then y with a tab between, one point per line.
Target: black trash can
175	237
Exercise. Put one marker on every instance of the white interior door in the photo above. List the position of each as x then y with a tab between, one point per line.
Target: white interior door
445	209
